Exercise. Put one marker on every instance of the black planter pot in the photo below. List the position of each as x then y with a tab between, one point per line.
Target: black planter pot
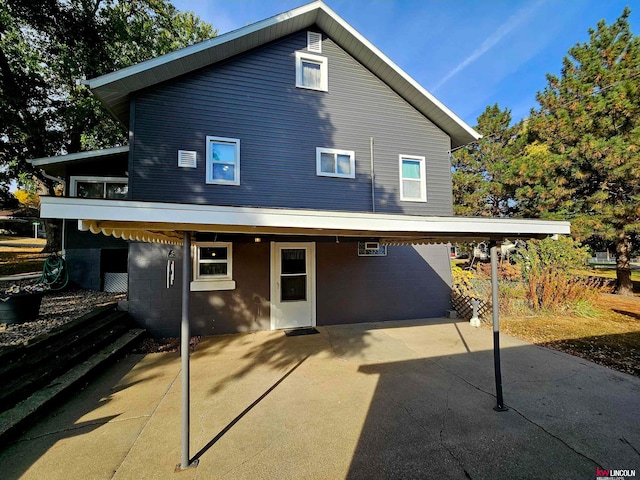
21	307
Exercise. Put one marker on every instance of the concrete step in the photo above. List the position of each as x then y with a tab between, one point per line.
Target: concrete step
16	419
23	377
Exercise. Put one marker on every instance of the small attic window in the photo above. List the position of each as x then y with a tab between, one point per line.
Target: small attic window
312	72
187	159
314	42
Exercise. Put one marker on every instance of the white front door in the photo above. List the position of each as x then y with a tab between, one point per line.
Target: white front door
293	285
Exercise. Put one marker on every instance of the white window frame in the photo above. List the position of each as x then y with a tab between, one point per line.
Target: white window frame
336	152
74	179
209	161
201	283
324	70
422	180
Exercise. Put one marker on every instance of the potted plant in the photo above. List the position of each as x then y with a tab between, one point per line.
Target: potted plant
21	303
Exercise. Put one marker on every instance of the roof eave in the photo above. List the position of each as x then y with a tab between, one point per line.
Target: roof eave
114	89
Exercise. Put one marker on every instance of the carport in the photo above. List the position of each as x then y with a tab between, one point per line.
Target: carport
176	223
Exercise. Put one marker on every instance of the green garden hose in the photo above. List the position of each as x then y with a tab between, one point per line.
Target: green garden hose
54	272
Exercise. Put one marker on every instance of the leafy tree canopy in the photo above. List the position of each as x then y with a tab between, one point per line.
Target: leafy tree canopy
48	48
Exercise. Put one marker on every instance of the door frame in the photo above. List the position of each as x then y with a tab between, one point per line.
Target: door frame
311	277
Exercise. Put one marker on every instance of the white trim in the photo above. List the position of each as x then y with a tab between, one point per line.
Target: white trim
336	152
71	157
170	217
114	88
185	52
197	260
422	180
211	285
311	277
74	179
324	70
209	162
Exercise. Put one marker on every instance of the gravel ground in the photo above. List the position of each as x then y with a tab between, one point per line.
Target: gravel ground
57	308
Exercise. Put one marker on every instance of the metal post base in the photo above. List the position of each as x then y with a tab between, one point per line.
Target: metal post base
501	408
192	464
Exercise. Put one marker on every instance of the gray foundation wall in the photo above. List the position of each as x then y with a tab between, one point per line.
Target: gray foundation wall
158	308
83	265
411	282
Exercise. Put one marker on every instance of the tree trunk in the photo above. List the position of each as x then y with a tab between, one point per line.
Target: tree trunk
623	265
53	228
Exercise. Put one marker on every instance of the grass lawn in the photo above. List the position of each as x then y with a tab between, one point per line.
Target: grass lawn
610	338
609	272
21	255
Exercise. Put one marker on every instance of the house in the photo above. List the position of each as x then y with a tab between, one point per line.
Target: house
286	174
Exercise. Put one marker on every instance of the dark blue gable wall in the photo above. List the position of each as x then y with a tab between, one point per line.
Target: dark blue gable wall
253	97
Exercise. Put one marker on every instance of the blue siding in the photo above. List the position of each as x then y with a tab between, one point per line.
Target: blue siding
253	97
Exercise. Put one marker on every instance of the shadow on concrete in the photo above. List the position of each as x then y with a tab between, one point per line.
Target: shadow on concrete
433	418
213	441
69	418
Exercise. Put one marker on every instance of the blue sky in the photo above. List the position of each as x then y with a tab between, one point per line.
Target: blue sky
468	53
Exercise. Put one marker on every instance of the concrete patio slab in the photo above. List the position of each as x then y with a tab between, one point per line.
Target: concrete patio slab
382	400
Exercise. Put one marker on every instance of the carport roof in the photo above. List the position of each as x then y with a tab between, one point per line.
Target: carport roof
164	222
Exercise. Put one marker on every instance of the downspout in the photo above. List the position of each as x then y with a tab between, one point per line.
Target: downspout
496	328
373	178
184	351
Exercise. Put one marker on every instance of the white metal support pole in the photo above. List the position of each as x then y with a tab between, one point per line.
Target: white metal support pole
496	328
184	350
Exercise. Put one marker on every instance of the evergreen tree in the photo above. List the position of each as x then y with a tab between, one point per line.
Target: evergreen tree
480	170
588	129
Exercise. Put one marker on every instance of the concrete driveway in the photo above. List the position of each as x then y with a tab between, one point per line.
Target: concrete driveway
386	400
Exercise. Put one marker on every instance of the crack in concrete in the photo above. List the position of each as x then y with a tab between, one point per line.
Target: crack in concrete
240	465
150	416
441	436
78	427
573	449
424	427
586	457
624	440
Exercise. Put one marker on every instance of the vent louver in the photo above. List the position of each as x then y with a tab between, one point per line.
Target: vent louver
187	159
314	42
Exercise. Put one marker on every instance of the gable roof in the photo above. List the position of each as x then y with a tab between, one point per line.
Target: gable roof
114	89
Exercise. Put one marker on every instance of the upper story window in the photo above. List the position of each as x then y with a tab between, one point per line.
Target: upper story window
312	72
335	163
223	160
413	179
98	187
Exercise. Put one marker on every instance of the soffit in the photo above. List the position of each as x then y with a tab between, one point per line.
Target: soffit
114	89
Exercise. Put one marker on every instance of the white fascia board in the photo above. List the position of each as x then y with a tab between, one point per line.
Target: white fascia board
71	157
198	47
150	213
119	84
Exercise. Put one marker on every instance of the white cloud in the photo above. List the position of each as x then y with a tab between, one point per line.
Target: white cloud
491	41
